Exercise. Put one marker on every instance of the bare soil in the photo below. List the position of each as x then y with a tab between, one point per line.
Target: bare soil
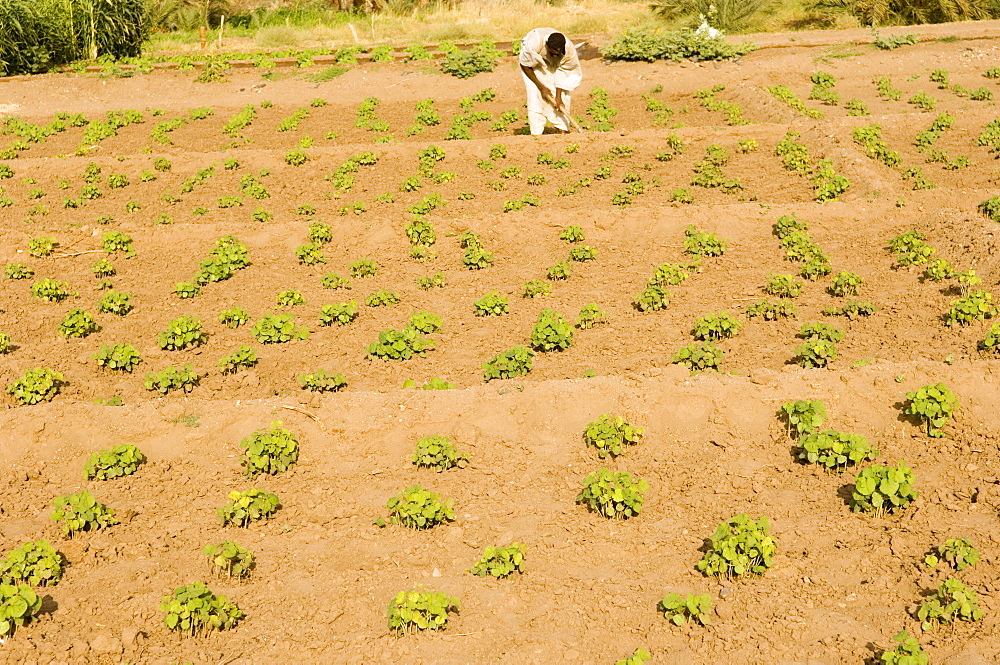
842	583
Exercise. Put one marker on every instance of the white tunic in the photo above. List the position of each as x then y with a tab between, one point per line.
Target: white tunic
563	73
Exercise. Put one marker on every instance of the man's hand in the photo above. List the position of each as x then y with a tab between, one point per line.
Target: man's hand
547	96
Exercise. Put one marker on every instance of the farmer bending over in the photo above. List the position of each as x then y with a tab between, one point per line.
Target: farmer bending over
550	69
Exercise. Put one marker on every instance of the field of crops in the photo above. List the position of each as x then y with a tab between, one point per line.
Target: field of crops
187	264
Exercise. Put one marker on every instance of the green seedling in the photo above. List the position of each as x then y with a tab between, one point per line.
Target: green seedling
118	461
613	495
230	558
418	508
739	547
269	451
195	610
81	512
501	562
680	609
934	405
610	434
883	489
246	507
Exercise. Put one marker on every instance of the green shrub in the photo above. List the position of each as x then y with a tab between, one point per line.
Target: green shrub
438	453
19	604
115	302
234	317
590	315
78	323
501	562
698	243
171	378
246	507
118	461
322	380
976	306
229	558
835	449
122	357
269	451
953	602
81	512
651	299
534	288
959	553
425	322
195	610
277	329
610	434
39	384
933	404
243	357
815	353
514	362
699	357
35	563
643	44
399	344
783	286
418	508
679	609
50	290
803	416
883	489
613	495
182	333
466	64
491	304
551	332
739	547
420	610
717	326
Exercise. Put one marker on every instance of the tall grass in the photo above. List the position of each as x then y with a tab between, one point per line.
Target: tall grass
36	35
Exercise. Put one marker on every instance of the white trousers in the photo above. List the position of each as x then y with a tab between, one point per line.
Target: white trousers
539	112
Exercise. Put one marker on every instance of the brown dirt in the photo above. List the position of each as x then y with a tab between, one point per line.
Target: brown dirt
842	583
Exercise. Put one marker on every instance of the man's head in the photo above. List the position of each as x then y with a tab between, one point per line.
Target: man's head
556	44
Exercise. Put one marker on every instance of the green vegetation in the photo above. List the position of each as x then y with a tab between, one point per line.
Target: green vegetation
418	508
906	652
246	507
269	451
19	605
193	609
610	434
739	547
172	378
118	461
182	333
613	495
953	602
883	489
835	450
934	405
959	553
438	453
230	558
420	610
35	563
39	384
399	344
646	45
699	357
803	416
551	332
121	357
78	323
514	362
322	380
277	328
501	562
81	512
680	609
242	357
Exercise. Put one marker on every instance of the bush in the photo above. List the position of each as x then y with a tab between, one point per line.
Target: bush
418	508
590	315
182	333
246	507
820	331
171	378
883	489
739	547
425	322
466	64
420	610
382	298
18	604
491	304
399	344
36	385
322	381
50	290
846	284
934	404
271	451
81	512
699	357
500	562
651	299
230	558
614	495
721	325
194	609
906	652
115	302
959	553
551	332
698	243
120	460
610	434
646	45
803	416
437	452
78	323
277	328
243	357
679	609
783	286
953	602
976	306
514	362
35	563
534	288
771	310
815	353
835	449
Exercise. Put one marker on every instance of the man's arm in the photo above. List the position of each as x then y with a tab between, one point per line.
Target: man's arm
546	93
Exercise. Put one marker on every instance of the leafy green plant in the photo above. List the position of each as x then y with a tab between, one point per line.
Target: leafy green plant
42	246
610	434
194	609
171	378
583	253
115	302
341	314
835	449
246	507
651	299
572	233
35	563
514	362
234	317
230	558
5	343
39	384
185	290
363	268
671	274
771	310
18	271
418	508
815	353
716	326
934	405
852	309
883	489
425	322
698	243
501	562
310	254
638	657
289	298
122	357
182	333
420	610
959	553
269	451
438	453
118	461
322	380
559	271
803	416
434	383
81	512
739	547
332	280
645	44
992	340
551	332
613	495
50	290
783	286
466	64
19	605
534	288
102	268
820	331
491	304
78	323
906	652
399	344
590	316
975	306
680	609
277	328
243	357
953	602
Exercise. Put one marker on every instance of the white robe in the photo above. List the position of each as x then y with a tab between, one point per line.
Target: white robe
563	73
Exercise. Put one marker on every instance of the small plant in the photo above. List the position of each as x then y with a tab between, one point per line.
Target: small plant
992	340
783	286
399	344
102	268
81	512
572	233
341	314
382	298
36	385
363	268
186	290
310	254
717	326
613	495
590	316
243	357
651	299
290	298
491	304
277	328
269	451
420	610
182	333
115	302
534	288
35	563
171	378
332	280
19	605
514	362
959	553
976	306
321	380
195	610
118	461
934	404
122	357
698	243
42	246
234	317
835	450
803	416
583	253
610	434
954	602
501	562
559	271
18	271
679	609
551	332
852	309
246	507
418	508
771	310
820	331
906	652
229	558
438	453
883	489
638	657
739	547
699	357
815	353
50	290
78	324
